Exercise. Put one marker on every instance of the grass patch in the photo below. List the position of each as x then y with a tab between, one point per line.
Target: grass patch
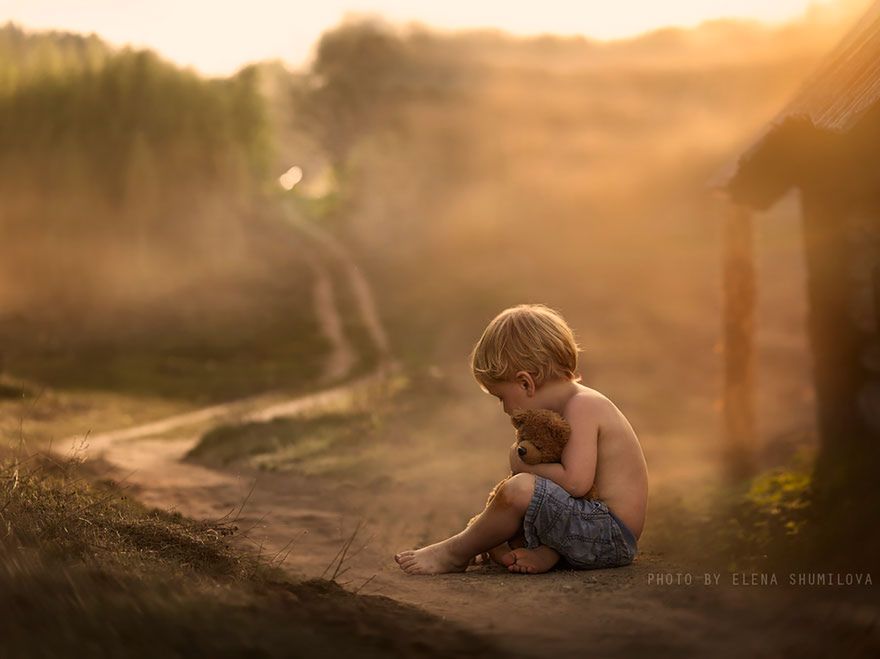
12	391
780	519
221	336
85	571
766	516
331	440
53	505
287	443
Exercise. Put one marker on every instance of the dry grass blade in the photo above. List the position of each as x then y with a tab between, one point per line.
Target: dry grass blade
345	549
339	558
286	549
361	587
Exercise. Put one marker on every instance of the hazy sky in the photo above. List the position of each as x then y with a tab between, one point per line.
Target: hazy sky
218	36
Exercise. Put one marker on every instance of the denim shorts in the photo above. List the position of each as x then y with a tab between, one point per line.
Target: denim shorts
584	531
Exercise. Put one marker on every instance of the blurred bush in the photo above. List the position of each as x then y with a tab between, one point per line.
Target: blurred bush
121	175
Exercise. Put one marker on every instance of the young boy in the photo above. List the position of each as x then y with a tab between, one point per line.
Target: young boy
527	358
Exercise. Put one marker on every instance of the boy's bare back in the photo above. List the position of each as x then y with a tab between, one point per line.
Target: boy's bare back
621	479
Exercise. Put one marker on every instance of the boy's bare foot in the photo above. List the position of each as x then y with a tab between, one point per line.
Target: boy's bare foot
433	559
531	561
498	553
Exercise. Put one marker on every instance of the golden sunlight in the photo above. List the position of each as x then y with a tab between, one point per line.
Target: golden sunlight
291	177
218	38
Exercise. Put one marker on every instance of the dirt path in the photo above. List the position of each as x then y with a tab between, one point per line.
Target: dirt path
610	612
416	491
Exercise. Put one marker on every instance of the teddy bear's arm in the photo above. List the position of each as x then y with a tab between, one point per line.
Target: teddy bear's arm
576	471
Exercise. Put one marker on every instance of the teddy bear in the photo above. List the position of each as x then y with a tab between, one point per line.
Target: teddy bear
541	435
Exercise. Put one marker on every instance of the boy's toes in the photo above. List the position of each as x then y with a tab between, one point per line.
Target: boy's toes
509	560
400	557
412	567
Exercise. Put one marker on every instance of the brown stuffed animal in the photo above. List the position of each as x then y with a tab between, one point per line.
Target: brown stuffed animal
541	435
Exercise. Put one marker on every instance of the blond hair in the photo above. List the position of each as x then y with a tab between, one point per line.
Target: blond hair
528	337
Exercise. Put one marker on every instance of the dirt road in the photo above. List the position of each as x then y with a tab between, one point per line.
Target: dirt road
422	494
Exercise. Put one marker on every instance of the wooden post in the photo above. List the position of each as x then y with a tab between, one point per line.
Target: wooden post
739	324
847	446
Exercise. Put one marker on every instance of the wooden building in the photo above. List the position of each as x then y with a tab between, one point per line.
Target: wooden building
826	144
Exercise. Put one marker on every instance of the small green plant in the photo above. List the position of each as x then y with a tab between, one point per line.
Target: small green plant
770	515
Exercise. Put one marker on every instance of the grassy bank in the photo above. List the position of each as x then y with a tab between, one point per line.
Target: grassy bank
221	336
331	440
85	571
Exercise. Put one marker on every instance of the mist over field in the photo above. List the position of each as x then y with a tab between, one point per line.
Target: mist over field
577	174
466	172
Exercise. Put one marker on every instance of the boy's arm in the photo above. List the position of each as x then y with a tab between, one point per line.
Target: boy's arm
577	469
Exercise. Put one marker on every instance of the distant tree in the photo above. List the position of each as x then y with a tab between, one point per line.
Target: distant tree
196	128
361	71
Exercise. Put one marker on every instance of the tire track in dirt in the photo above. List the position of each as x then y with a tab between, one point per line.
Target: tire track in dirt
357	281
342	354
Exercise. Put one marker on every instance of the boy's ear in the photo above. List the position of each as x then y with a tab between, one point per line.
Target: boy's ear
526	380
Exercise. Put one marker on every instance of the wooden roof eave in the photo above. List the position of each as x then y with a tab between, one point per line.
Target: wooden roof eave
782	159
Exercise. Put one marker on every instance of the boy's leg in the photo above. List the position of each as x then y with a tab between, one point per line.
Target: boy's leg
501	520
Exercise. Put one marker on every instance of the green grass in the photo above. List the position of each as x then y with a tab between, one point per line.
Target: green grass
223	338
290	439
13	391
329	441
781	519
85	571
766	516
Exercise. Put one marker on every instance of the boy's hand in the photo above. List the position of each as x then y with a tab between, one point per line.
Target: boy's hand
516	464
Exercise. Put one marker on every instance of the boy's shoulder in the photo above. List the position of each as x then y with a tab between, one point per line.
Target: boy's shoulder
593	407
587	400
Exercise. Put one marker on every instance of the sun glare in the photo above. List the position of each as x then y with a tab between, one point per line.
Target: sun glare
291	177
218	38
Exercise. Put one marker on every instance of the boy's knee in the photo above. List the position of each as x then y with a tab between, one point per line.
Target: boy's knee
516	491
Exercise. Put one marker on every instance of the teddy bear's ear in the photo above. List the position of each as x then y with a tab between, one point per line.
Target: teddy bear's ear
518	418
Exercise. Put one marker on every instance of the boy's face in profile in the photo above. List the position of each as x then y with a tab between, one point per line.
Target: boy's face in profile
512	394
